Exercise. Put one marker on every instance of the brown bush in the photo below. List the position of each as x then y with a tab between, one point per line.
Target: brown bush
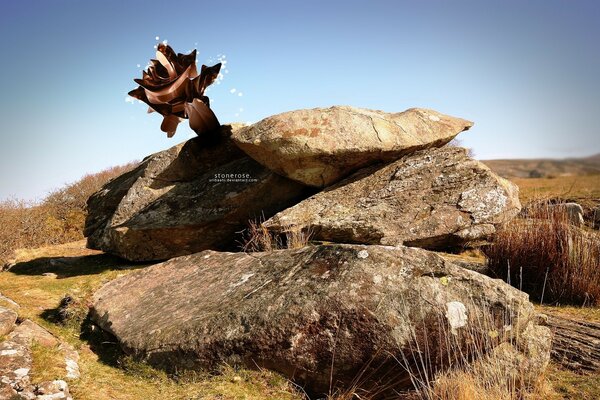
59	218
547	257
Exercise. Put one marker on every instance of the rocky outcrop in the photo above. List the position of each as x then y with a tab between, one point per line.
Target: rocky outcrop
318	147
191	197
16	362
435	199
321	315
331	315
576	342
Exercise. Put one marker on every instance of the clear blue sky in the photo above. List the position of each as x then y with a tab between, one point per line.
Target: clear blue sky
527	73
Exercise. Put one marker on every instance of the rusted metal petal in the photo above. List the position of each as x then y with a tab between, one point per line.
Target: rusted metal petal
202	118
207	76
169	124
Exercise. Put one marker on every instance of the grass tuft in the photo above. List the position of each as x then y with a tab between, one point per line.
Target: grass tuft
547	257
258	238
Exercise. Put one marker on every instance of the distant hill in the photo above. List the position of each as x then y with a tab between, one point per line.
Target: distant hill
539	168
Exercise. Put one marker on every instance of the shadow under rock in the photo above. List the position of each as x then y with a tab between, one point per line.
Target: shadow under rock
67	267
102	343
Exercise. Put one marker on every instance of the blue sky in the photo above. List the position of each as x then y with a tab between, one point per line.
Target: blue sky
525	72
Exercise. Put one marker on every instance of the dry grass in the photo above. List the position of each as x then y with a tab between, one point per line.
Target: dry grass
547	257
570	385
581	188
258	238
582	313
479	360
48	363
470	385
58	218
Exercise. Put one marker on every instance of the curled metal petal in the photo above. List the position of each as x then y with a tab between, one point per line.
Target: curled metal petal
169	124
172	87
202	119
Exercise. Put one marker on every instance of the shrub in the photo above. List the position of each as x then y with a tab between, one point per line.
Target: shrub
58	218
547	257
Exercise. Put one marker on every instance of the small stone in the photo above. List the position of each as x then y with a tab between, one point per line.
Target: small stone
363	254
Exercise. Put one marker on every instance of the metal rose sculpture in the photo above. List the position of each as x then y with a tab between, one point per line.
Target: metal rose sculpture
172	87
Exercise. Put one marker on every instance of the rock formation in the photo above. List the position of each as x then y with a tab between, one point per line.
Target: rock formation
8	318
318	147
352	312
191	197
436	199
16	361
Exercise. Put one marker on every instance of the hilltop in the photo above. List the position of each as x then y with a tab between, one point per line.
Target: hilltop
545	167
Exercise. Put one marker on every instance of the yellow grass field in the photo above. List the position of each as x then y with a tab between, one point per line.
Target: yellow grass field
585	188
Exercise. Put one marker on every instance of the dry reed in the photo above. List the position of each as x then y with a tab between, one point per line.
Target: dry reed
258	238
548	257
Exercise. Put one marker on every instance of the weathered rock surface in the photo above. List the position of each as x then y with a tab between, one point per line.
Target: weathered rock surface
16	363
320	146
434	199
329	311
191	197
576	343
573	212
520	361
7	320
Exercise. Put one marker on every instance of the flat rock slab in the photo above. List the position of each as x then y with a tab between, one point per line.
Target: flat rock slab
318	147
435	199
16	362
576	343
194	196
313	314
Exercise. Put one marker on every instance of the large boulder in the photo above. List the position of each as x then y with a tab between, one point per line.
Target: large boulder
324	316
434	199
320	146
191	197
